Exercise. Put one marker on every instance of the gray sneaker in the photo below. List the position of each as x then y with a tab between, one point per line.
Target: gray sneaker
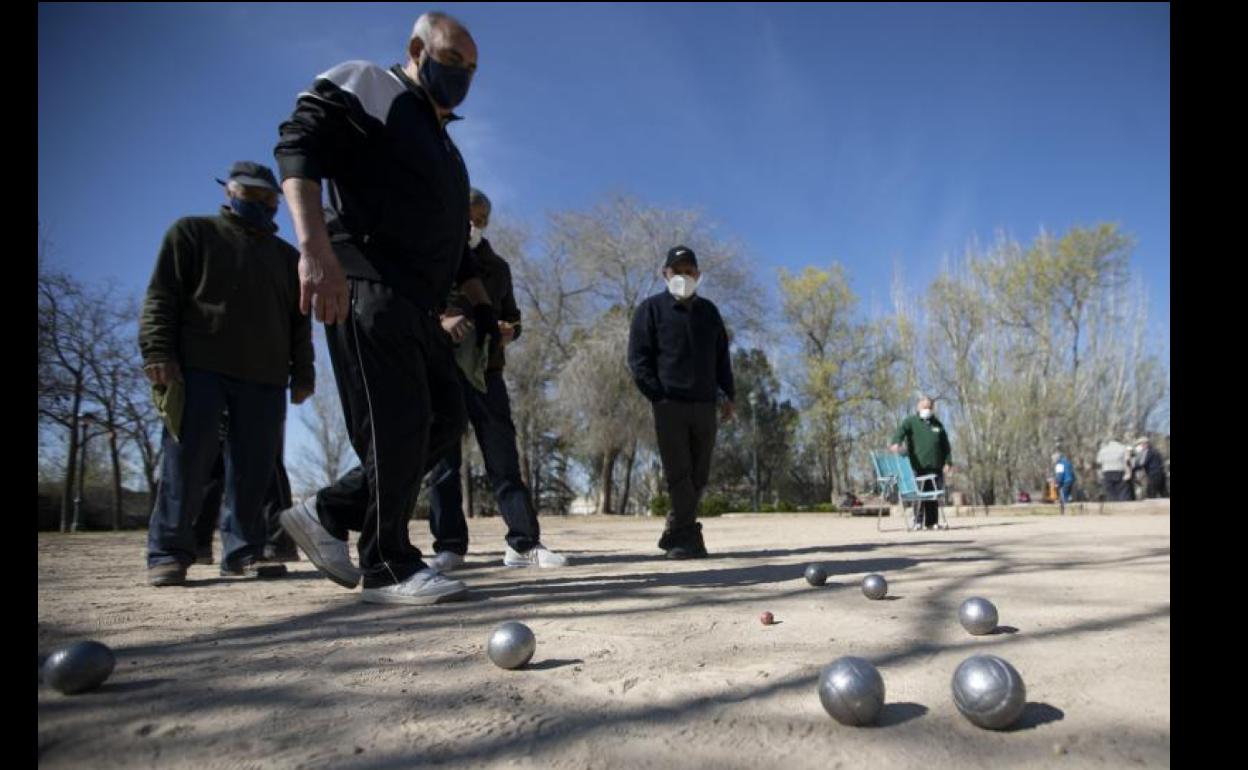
424	587
329	554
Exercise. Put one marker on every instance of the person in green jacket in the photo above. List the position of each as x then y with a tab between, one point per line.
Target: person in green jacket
221	324
924	439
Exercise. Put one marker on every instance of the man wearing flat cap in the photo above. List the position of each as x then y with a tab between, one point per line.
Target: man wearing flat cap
221	324
678	355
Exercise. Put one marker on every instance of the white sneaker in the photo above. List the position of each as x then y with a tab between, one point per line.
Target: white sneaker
424	587
537	556
328	553
445	561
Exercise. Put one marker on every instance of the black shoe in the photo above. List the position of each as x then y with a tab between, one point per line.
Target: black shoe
681	552
281	554
169	574
203	555
667	541
254	568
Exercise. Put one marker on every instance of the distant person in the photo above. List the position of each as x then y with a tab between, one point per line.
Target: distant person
1113	459
923	438
221	325
678	356
1063	476
489	411
1023	496
1150	465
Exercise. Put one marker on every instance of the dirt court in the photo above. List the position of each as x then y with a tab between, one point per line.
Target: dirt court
640	662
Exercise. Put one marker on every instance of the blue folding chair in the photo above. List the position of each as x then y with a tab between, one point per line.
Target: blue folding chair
886	474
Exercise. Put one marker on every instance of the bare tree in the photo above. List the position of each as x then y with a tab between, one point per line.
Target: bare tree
75	325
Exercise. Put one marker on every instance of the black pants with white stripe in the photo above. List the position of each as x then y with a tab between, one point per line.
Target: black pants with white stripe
401	397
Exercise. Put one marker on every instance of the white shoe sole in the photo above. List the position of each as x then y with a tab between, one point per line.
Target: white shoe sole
523	564
380	596
290	523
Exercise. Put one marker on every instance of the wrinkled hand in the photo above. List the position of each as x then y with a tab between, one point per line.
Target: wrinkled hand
299	395
507	333
457	326
163	373
323	285
727	411
895	448
486	320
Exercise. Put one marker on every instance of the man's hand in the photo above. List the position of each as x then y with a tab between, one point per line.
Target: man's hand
507	333
895	448
948	469
163	373
299	395
486	320
457	326
322	284
727	411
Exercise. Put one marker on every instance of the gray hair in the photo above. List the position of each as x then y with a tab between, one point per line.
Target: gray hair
432	24
478	198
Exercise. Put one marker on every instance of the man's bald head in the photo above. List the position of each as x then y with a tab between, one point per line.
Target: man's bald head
441	57
442	33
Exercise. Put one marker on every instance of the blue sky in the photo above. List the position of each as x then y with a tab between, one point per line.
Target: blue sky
880	136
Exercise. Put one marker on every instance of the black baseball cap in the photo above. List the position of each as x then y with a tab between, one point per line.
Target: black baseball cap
252	174
680	254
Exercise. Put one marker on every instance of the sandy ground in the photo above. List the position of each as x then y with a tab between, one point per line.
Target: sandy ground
640	662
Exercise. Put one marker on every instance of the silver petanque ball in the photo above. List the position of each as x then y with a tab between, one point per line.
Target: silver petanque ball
80	667
978	616
816	575
989	691
852	691
512	645
874	586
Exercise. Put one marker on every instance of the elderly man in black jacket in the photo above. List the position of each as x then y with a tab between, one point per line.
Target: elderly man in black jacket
376	268
678	355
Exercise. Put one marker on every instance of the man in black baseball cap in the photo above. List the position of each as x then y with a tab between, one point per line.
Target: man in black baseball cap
678	354
221	323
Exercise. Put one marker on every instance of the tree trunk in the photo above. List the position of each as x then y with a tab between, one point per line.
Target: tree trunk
628	478
71	463
608	479
115	455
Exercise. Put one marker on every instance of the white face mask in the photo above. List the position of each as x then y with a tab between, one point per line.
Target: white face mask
474	236
926	414
682	286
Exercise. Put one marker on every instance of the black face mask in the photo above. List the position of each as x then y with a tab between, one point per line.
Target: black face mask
254	213
447	85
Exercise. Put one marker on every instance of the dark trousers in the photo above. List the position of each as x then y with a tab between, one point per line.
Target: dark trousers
686	438
400	394
1115	486
928	513
276	499
255	419
490	415
1155	486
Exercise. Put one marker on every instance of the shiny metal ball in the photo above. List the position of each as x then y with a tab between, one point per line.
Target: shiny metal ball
511	645
978	616
989	691
874	586
852	691
80	667
816	575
